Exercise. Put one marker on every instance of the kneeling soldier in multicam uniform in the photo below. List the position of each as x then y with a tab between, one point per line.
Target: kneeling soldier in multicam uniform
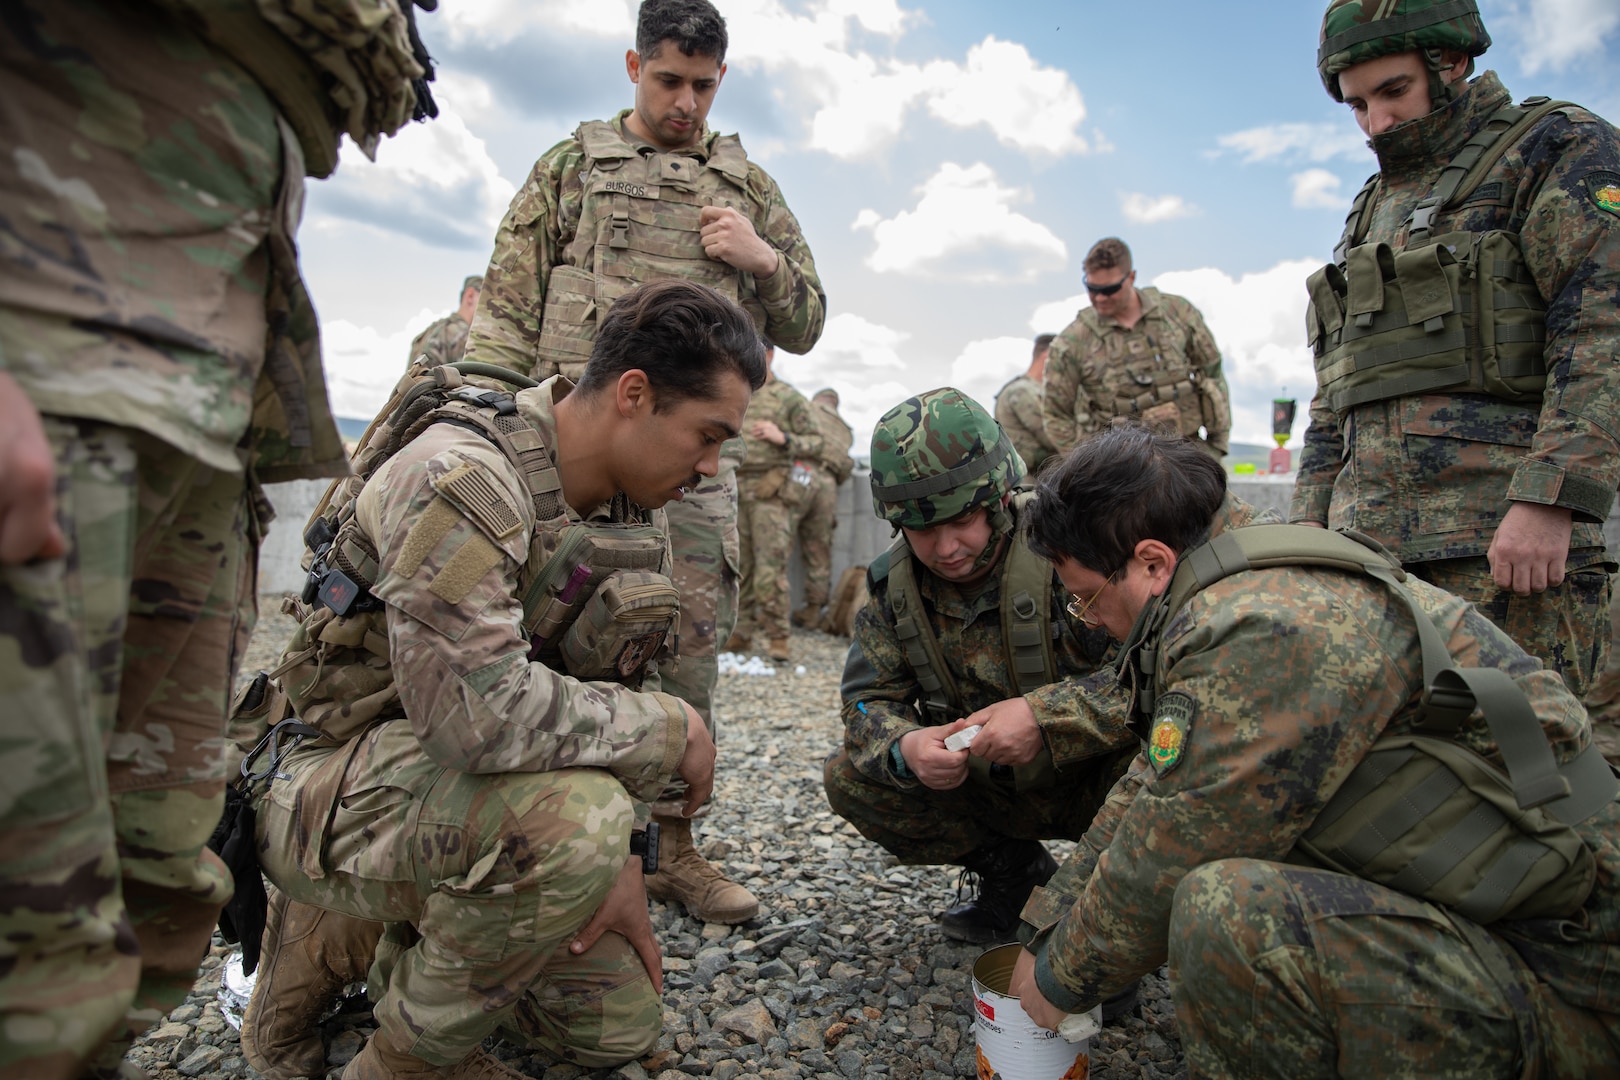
471	773
1367	830
962	618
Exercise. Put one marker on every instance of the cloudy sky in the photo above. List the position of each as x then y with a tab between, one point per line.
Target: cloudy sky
950	163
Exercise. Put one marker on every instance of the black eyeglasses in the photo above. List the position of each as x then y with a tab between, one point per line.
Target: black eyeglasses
1106	290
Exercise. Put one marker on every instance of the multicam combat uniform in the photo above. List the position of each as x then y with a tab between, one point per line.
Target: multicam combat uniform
152	310
1165	371
1277	683
818	514
772	487
480	797
883	699
601	212
1020	412
1430	475
442	343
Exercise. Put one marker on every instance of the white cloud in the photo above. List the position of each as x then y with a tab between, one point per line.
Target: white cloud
861	360
1299	142
1150	210
963	211
1053	316
985	366
1259	323
1029	107
363	363
1318	189
1554	33
498	20
435	181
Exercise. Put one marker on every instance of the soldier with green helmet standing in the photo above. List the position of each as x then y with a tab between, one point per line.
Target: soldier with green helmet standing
1467	412
965	626
652	194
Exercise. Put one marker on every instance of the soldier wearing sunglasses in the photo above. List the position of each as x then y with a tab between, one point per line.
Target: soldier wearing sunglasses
1134	354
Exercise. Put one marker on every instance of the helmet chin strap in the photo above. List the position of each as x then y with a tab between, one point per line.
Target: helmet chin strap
1001	528
1442	93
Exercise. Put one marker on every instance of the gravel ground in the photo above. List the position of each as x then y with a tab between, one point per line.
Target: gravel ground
844	974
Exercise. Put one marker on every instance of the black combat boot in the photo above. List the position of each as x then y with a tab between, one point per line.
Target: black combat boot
1008	872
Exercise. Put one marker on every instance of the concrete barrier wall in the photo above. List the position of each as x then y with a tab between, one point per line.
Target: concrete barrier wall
860	537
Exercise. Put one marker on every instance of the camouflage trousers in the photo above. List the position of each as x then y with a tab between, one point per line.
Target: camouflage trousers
703	540
116	663
1603	697
765	527
814	525
486	880
925	827
1315	973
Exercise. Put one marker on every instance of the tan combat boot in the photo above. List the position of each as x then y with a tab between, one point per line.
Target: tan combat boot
808	617
380	1059
738	642
779	649
686	876
308	956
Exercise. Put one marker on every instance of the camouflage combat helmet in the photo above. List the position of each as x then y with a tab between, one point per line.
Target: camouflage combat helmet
938	456
1354	31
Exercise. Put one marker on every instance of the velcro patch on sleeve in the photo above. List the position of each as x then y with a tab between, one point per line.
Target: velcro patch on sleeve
1604	188
433	526
465	569
481	499
1173	717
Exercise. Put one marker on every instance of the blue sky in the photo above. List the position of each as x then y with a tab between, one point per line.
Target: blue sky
950	164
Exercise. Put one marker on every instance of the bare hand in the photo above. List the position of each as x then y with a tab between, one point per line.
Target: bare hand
624	911
767	430
28	528
730	237
1528	551
697	763
929	761
1010	736
1022	986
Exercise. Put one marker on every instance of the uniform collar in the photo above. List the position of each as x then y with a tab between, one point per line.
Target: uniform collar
700	149
1435	137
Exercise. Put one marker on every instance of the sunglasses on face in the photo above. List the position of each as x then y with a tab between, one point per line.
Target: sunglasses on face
1106	290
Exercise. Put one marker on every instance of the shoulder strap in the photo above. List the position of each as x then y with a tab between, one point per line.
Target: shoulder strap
1476	158
940	699
1026	612
1355	224
1450	694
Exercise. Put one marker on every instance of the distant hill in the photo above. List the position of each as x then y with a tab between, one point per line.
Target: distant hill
351	428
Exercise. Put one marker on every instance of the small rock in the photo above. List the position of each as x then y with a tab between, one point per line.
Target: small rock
344	1046
201	1062
751	1020
834	1032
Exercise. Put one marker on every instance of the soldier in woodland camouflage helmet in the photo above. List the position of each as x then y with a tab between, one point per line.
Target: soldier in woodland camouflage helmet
1484	414
966	626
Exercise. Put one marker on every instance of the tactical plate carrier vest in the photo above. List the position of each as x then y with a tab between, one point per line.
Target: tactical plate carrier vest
597	600
1159	384
1422	813
1026	633
639	223
1454	312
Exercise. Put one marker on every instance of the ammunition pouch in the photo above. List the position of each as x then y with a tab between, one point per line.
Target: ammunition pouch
622	628
1460	314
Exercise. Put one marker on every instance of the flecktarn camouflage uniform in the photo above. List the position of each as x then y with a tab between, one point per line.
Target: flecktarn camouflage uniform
489	805
994	821
1277	682
1430	475
1164	371
540	238
772	487
151	309
817	519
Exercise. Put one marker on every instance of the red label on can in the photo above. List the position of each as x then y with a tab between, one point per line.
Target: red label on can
986	1010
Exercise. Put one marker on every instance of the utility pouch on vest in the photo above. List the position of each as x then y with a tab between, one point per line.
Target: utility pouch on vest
621	628
585	556
769	484
568	326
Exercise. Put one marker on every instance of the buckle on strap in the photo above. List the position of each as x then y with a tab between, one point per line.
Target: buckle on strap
272	742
